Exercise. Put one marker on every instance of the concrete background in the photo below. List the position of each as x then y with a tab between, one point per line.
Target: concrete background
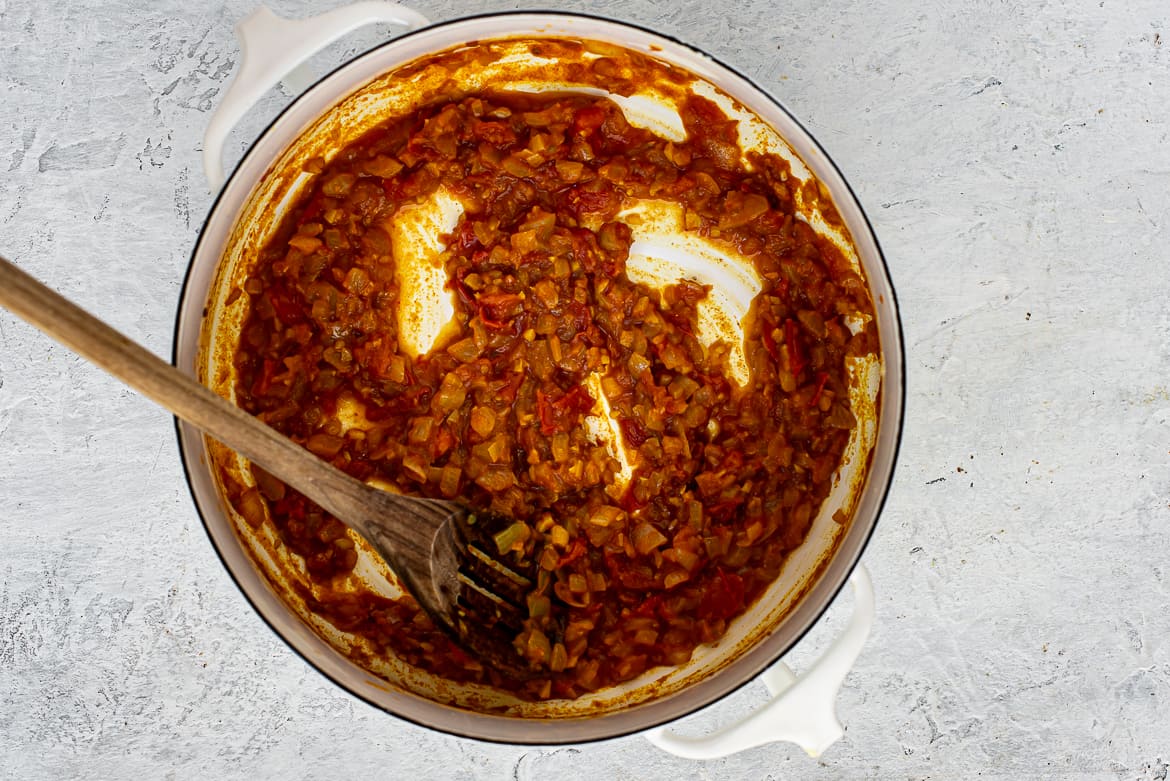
1014	159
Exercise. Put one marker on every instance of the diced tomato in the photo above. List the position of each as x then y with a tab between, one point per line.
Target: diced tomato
724	595
264	382
588	120
591	198
544	410
650	606
822	378
770	341
464	237
721	512
466	294
498	301
576	550
497	134
796	359
680	322
497	310
508	392
560	414
629	573
288	312
633	432
577	400
491	323
630	502
577	317
443	441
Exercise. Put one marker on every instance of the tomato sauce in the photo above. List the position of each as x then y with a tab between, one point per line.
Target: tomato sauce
635	564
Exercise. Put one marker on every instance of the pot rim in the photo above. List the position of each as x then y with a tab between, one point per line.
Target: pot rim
894	365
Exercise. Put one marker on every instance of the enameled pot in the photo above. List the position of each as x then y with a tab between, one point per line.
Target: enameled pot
340	107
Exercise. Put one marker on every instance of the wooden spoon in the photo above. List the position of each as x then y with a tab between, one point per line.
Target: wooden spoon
426	542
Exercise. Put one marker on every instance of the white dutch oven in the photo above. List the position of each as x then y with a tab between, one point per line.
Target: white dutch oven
340	107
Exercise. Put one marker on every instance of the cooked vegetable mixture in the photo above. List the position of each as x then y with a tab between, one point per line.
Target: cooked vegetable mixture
637	562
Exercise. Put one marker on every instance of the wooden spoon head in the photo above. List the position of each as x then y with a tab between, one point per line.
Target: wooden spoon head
469	593
484	596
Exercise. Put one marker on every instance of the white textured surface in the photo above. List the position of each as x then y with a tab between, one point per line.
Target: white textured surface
1015	160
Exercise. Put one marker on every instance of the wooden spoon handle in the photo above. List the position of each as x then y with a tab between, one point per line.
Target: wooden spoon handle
184	397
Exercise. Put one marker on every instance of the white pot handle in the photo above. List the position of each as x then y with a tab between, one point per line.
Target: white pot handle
272	48
803	709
